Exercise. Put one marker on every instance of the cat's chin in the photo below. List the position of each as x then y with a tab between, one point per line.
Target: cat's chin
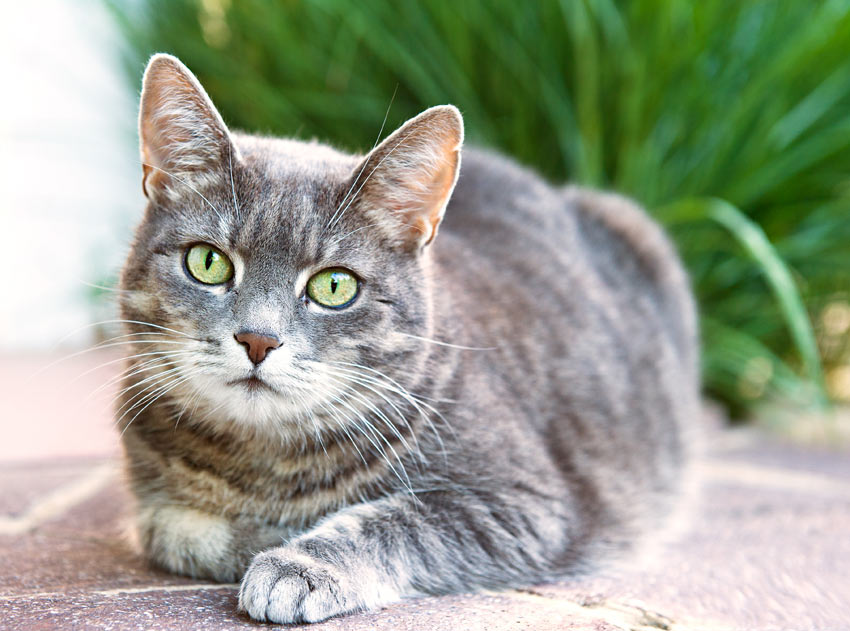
250	403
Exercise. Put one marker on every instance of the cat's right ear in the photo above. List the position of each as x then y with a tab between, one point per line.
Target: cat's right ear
182	136
408	179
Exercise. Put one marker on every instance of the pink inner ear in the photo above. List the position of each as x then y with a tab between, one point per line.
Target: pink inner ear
415	171
420	201
440	189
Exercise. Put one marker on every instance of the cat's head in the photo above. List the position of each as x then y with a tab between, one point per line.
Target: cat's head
273	278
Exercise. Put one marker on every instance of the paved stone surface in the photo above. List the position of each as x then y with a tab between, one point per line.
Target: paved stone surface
769	549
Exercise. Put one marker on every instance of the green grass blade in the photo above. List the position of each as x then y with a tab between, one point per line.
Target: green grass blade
777	274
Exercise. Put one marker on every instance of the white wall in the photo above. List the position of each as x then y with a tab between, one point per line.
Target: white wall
69	173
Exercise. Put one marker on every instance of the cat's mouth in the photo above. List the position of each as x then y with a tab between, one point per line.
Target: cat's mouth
252	384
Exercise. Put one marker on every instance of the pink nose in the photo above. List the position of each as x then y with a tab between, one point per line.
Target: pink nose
257	346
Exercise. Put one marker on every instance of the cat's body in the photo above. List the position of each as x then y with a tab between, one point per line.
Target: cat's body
505	405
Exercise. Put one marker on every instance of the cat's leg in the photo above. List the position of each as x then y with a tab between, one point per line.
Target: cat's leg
374	554
202	545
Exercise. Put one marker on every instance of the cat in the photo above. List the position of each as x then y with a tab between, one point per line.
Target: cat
356	379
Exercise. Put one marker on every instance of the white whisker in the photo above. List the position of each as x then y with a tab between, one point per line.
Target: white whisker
164	390
156	394
96	347
368	425
105	288
192	188
377	166
448	344
144	393
373	408
232	185
338	240
417	450
196	398
366	161
342	425
415	401
161	359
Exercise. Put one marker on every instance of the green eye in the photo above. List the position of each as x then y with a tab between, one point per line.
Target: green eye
332	287
208	265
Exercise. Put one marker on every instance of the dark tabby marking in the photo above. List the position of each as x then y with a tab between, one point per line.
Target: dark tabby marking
505	404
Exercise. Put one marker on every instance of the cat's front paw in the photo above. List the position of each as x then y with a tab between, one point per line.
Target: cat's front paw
285	586
190	542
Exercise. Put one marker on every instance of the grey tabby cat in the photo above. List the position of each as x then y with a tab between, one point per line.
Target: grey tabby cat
339	407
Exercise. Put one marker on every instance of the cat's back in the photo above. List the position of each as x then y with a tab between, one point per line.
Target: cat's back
495	194
499	199
588	314
558	250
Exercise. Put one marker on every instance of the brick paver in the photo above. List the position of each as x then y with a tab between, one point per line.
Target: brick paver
769	549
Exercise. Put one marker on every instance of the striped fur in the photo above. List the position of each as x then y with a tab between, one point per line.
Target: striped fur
507	403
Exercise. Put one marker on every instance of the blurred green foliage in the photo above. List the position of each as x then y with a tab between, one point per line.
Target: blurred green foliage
728	120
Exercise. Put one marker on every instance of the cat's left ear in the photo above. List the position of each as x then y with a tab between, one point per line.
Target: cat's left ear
182	136
408	179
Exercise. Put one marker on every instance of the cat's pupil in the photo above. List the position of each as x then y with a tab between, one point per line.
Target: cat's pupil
209	260
334	285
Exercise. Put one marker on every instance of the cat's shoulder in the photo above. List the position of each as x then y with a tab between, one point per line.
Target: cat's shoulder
486	173
606	225
628	226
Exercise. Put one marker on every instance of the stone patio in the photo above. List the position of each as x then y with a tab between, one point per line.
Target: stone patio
770	548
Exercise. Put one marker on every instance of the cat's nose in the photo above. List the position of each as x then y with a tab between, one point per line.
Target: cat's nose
257	346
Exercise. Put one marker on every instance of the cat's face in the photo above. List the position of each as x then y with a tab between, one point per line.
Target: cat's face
275	282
